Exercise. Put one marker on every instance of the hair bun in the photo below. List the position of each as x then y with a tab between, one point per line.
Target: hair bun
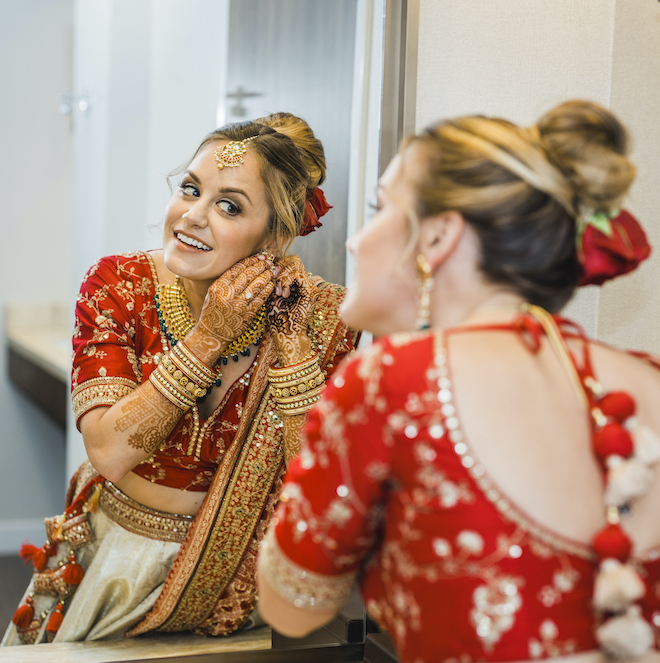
309	146
589	145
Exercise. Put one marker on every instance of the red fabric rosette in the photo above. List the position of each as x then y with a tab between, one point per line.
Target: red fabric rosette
608	247
315	207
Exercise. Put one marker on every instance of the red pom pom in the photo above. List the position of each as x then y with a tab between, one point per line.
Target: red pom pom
24	614
73	573
51	548
40	559
612	439
55	620
27	552
618	405
612	541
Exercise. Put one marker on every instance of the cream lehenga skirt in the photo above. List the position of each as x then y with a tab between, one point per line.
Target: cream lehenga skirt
125	560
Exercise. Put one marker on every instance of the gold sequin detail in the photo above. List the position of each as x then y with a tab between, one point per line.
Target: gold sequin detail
100	391
140	519
300	587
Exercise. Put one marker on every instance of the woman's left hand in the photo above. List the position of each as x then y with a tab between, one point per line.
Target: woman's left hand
290	309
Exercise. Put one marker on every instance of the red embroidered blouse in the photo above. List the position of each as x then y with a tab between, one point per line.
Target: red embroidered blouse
388	487
116	343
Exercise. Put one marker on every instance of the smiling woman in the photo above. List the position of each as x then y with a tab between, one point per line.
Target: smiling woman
174	352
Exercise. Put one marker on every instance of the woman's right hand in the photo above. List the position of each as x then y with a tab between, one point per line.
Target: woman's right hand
230	306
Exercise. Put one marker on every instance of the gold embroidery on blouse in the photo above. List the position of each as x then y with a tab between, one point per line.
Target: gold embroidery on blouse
100	391
495	604
547	645
563	582
300	587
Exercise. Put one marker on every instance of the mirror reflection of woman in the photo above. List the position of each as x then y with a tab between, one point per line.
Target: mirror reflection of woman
491	480
175	352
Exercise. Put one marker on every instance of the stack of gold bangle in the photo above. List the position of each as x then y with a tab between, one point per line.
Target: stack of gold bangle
296	388
182	377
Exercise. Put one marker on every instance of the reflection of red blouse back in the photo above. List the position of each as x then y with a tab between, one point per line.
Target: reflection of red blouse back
116	343
460	572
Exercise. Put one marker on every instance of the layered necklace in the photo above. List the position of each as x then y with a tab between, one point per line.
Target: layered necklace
176	320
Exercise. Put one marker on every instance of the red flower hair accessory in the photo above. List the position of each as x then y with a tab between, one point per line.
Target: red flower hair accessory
315	207
608	245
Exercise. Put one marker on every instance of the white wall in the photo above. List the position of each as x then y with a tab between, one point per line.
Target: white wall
35	253
517	59
154	70
629	313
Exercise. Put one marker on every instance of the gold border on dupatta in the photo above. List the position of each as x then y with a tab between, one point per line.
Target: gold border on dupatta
223	529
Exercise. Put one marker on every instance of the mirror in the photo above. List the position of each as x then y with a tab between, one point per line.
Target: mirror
151	77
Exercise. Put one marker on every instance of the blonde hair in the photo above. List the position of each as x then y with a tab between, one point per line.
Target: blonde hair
291	160
522	189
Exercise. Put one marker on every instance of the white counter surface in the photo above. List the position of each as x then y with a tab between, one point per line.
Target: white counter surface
41	333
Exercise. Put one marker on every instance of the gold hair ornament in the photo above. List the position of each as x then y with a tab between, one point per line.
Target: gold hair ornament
231	154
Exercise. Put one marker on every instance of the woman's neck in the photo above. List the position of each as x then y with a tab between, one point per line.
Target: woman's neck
196	294
490	304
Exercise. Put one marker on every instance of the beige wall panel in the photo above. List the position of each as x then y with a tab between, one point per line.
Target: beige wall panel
630	307
516	59
513	58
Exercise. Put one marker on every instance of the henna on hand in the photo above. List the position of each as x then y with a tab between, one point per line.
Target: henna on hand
150	415
230	306
290	311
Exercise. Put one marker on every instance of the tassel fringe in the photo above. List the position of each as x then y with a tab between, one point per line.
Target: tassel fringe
626	480
625	636
647	443
617	586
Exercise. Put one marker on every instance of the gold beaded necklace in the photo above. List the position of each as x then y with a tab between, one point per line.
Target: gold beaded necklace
176	320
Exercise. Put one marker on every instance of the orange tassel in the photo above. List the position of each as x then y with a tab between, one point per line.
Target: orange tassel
40	559
24	614
73	573
51	548
55	620
27	552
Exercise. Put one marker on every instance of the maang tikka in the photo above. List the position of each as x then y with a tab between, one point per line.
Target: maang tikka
231	154
424	287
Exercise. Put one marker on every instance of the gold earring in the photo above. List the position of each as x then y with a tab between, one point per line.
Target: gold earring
424	287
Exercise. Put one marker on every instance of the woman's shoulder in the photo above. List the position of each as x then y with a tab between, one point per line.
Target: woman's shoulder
611	364
134	267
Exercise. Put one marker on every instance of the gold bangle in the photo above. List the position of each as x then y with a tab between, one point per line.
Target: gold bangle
298	398
184	376
194	363
302	408
179	381
294	382
184	397
300	388
295	371
169	392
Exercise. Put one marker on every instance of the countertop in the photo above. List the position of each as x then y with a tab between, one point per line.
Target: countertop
41	334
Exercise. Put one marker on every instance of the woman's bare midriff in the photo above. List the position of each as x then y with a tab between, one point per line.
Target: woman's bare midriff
163	498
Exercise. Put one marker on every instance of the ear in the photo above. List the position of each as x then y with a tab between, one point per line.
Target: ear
271	246
439	236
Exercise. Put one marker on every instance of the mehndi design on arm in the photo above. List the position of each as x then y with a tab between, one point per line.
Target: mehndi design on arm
152	417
